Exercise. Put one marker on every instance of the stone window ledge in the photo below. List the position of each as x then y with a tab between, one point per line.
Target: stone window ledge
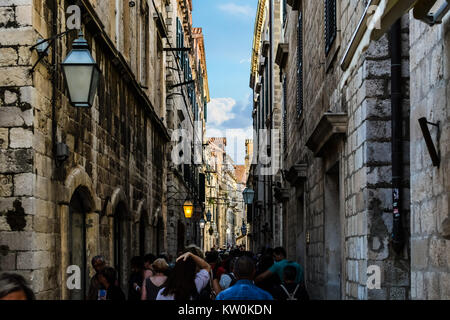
282	55
297	173
332	126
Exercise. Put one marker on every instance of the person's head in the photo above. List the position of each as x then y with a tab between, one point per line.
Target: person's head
212	257
148	261
164	256
289	274
279	254
107	277
235	253
244	268
181	281
160	266
14	287
98	263
265	262
137	264
195	250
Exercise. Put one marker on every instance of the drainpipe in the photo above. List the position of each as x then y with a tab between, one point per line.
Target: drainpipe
54	78
397	134
271	99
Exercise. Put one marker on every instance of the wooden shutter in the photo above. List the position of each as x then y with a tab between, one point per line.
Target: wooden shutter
179	38
285	127
300	65
330	24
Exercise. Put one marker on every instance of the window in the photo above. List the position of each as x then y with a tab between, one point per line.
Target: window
159	77
285	127
145	45
180	40
300	65
330	24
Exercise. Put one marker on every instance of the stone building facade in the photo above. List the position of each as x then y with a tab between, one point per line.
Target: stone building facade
265	171
109	196
430	184
224	199
359	192
186	106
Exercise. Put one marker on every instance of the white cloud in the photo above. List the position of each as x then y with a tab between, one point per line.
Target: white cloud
245	61
220	110
236	9
235	141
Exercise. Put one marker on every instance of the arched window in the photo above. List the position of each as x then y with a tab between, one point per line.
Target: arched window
77	243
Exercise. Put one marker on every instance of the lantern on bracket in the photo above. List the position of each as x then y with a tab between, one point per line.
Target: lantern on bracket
81	74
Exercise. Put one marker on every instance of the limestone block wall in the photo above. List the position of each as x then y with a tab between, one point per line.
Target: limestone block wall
430	232
361	184
117	154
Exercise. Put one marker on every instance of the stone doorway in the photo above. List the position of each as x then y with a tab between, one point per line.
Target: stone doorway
78	210
121	244
332	235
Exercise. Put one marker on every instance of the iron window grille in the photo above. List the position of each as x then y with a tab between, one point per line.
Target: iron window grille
300	65
330	24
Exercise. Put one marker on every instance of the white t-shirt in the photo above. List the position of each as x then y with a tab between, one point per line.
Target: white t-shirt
201	281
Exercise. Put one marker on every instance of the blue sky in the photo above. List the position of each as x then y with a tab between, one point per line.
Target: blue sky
228	31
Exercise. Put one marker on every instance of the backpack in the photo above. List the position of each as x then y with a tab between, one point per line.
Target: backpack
291	296
233	279
207	293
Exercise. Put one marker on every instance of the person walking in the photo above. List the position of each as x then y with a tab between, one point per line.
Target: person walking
244	289
155	283
290	289
227	280
189	277
279	255
136	279
14	287
99	264
108	279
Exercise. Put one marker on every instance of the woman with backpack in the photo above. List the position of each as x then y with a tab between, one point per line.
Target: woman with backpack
290	289
187	280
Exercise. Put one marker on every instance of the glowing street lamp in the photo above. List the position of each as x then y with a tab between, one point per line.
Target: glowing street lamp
202	223
188	209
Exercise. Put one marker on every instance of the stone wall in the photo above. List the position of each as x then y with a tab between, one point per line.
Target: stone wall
348	187
117	153
430	232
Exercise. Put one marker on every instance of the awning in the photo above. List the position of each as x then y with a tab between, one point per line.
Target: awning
377	19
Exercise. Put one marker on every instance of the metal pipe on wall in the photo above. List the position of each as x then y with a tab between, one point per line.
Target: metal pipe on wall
397	135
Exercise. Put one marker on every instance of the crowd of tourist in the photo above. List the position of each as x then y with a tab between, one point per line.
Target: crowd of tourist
232	274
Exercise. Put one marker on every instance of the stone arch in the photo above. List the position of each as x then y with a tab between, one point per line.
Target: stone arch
120	221
142	207
79	179
79	183
118	196
155	217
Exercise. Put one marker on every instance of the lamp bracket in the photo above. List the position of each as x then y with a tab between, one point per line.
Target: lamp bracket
429	141
44	52
182	84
